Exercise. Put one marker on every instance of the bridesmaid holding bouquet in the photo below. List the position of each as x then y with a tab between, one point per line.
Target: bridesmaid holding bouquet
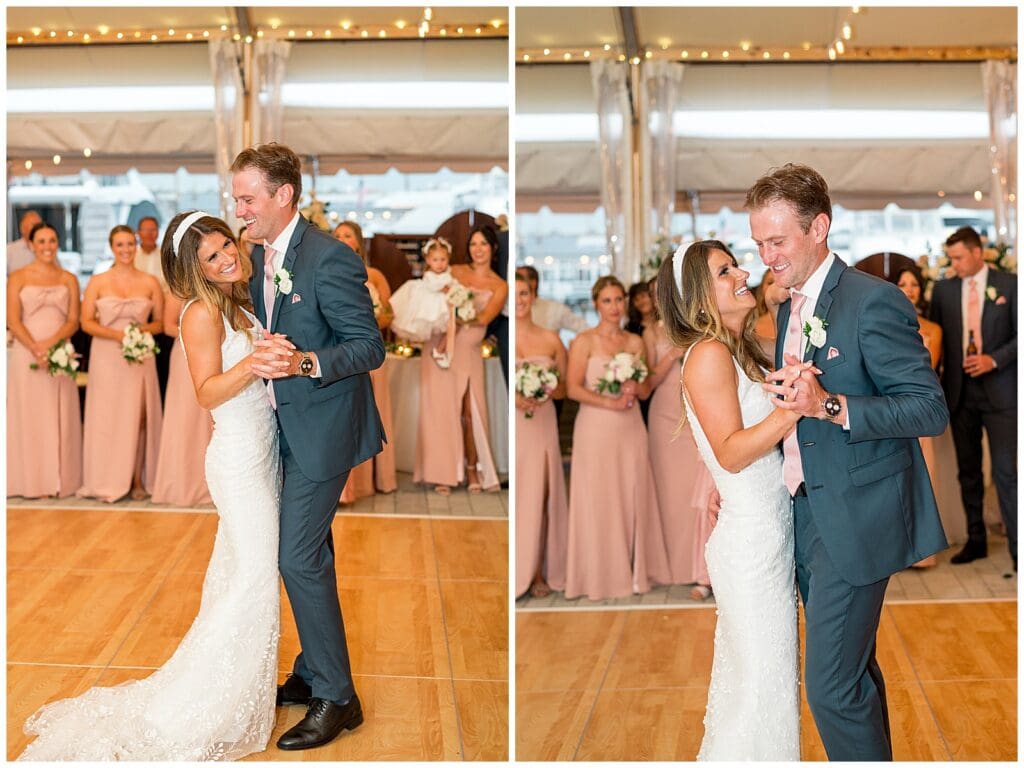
44	423
541	514
122	400
616	547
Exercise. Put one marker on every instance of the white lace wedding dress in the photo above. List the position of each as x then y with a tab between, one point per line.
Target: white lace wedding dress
753	710
214	698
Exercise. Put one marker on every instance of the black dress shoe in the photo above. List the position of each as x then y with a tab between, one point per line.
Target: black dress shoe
295	690
324	722
973	550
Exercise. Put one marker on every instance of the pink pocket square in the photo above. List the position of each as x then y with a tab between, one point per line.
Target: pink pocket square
1001	300
832	353
296	298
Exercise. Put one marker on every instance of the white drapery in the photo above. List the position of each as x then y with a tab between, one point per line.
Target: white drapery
269	61
1000	78
228	113
660	87
611	92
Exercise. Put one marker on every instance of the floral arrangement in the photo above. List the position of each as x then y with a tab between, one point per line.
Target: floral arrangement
60	359
535	382
461	298
623	367
282	281
316	213
137	345
814	330
1000	256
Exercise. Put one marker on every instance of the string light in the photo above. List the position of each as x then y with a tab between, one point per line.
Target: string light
28	165
586	54
87	152
847	31
56	159
840	48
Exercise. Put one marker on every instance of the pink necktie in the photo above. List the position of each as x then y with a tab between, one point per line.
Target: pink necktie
792	467
974	312
268	302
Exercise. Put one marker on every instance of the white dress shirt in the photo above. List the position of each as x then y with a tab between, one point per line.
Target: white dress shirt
981	278
554	315
149	261
19	254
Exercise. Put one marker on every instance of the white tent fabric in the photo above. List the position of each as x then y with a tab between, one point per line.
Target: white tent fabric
361	140
564	175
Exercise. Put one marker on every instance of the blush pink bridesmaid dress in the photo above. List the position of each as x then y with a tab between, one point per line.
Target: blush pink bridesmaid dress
117	394
676	464
181	471
615	544
378	473
540	495
440	450
44	420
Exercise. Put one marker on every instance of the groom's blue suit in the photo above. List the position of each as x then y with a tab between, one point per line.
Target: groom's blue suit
327	426
866	509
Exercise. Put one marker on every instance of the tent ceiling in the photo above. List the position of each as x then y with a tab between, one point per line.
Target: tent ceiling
131	18
362	141
769	26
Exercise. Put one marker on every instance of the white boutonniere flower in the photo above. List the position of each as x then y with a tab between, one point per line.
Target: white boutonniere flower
814	330
992	293
282	281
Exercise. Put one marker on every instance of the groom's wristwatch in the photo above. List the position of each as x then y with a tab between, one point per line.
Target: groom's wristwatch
306	364
833	407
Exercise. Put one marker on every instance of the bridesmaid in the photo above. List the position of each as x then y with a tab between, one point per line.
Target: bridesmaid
44	421
452	440
911	282
541	513
122	400
490	293
181	471
615	540
674	456
377	473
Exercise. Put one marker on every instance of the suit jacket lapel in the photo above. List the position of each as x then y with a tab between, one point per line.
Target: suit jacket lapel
289	265
825	299
256	284
781	324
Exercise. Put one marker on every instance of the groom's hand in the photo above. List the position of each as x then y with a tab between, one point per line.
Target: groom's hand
275	356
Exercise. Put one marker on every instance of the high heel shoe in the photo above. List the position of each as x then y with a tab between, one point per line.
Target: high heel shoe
441	358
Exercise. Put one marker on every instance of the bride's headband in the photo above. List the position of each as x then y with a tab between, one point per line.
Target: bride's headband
187	222
677	264
434	241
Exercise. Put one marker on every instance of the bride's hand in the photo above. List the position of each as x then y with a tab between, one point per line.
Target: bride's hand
788	376
273	356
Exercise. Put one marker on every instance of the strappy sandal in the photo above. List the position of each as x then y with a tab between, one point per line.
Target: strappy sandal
700	592
471	485
442	490
540	589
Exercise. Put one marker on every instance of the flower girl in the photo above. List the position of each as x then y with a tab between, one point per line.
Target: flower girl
429	306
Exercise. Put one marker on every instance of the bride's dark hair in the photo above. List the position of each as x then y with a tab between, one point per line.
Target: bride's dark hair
185	277
693	316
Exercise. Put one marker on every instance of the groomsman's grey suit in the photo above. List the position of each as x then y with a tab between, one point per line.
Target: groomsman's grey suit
327	426
866	508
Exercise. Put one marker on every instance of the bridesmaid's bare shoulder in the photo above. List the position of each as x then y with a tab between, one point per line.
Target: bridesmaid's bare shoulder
584	340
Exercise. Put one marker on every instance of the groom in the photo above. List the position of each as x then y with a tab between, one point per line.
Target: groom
863	505
311	288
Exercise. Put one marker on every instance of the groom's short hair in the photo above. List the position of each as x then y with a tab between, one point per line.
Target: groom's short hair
278	164
799	185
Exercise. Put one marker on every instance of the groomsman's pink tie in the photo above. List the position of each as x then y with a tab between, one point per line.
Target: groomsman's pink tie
974	311
792	467
268	302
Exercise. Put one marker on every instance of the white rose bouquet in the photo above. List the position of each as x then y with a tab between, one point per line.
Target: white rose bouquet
461	298
136	345
535	382
60	359
621	368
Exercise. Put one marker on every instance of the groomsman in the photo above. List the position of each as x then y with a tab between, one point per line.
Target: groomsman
977	310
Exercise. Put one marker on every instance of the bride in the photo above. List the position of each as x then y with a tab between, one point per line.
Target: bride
753	709
214	698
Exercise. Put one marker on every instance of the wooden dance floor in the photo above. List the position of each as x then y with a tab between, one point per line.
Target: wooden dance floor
632	684
104	596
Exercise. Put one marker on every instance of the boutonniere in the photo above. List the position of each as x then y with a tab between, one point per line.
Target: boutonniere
282	281
814	330
992	293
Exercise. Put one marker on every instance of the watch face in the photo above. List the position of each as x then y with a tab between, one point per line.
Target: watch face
306	366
